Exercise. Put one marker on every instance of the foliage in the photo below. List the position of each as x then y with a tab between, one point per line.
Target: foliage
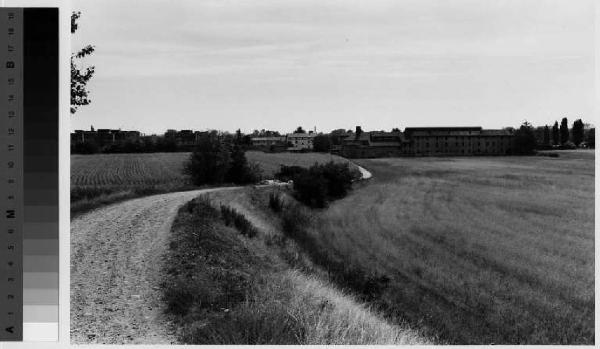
209	162
288	173
590	138
564	131
546	135
359	131
577	132
319	183
322	143
240	171
215	161
80	76
524	140
310	187
299	130
555	134
339	178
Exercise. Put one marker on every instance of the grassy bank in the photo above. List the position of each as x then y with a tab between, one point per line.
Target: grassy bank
225	287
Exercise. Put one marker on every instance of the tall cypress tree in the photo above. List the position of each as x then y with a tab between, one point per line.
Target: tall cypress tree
577	132
564	131
546	135
555	133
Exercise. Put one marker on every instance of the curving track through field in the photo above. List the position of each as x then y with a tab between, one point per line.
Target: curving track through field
116	258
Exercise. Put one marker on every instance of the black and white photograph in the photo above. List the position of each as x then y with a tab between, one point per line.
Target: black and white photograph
332	172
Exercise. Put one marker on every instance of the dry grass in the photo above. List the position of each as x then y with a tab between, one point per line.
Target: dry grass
333	317
480	250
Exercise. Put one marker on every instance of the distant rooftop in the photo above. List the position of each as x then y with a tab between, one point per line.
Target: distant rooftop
302	135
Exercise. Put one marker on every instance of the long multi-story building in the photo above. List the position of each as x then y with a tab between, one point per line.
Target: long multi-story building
104	136
427	141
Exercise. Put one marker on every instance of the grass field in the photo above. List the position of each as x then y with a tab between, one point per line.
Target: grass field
104	178
479	250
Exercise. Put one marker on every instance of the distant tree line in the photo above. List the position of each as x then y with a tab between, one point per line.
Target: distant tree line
527	139
560	136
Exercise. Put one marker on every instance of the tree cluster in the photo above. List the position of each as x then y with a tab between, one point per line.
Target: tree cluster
320	183
561	136
524	140
215	161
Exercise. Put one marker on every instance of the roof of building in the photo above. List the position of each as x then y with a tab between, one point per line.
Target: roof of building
496	133
299	135
274	138
443	128
385	144
376	138
453	131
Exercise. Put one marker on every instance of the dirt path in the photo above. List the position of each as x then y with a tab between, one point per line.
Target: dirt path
116	255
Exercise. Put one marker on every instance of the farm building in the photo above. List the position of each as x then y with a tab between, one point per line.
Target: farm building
427	141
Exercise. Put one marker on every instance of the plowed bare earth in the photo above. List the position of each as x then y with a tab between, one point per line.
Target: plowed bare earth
116	259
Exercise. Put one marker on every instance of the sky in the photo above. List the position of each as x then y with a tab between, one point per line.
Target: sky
279	64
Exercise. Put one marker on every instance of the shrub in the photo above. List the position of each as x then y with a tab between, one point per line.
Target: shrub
287	173
322	143
339	179
320	183
310	187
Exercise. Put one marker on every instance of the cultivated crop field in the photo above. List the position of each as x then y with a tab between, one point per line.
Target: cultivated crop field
127	169
478	250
